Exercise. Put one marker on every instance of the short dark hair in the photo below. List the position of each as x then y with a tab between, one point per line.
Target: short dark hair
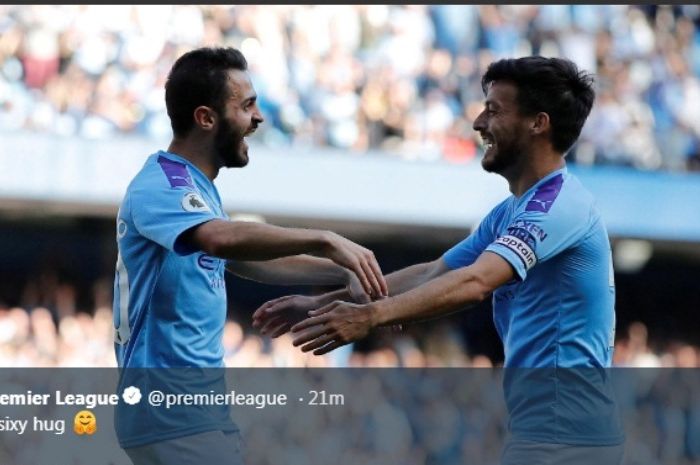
199	78
551	85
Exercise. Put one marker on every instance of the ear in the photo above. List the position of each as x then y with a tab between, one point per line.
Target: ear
540	124
205	117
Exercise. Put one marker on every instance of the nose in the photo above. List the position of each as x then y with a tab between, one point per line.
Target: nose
480	122
257	116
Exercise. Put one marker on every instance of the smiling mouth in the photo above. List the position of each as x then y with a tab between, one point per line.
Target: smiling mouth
488	142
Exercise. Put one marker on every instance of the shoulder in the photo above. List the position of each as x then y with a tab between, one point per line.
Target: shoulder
561	199
175	172
501	209
161	173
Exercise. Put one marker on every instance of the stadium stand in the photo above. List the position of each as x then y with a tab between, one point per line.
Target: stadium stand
340	76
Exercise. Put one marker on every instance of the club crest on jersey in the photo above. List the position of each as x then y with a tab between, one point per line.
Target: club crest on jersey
193	202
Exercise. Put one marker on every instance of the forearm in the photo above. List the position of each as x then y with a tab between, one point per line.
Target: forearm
413	276
292	271
399	281
242	240
453	291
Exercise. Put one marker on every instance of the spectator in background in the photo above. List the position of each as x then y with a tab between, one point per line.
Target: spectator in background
341	76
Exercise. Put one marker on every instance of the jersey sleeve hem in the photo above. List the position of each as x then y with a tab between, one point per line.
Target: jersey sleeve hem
182	248
451	260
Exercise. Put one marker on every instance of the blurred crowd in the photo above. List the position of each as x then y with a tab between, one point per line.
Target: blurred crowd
392	79
42	338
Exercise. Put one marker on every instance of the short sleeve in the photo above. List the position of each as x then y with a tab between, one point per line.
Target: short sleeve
468	250
533	237
163	213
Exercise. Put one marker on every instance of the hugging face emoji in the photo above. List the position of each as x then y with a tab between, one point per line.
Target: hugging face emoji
84	422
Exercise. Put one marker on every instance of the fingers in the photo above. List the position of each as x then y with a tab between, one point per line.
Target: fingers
263	316
321	311
359	271
263	321
283	328
271	324
317	343
258	314
317	317
376	288
370	267
265	308
363	263
382	287
356	292
309	333
332	346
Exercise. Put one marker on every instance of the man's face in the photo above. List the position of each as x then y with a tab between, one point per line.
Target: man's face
240	119
502	128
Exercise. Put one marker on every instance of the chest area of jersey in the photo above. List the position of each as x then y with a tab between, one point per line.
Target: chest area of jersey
208	268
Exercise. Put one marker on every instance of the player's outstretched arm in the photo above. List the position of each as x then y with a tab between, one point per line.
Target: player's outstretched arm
413	276
340	323
242	240
273	317
296	270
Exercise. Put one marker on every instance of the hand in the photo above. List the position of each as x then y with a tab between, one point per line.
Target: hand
332	326
356	291
360	261
276	316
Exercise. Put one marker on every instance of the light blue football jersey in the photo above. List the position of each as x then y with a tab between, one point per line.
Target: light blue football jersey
556	319
169	301
560	310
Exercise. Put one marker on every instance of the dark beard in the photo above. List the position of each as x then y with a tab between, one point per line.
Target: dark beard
229	146
500	163
505	158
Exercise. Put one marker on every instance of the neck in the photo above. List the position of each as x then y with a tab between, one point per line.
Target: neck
523	176
198	152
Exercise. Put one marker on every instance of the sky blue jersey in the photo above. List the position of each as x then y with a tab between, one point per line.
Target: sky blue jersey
560	309
169	302
556	319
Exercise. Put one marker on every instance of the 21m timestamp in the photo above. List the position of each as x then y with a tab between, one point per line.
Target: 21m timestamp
323	398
